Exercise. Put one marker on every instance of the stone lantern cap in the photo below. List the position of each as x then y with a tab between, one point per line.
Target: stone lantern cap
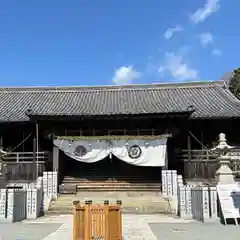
223	148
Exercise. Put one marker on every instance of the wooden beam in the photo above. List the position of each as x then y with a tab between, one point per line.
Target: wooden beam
34	160
37	148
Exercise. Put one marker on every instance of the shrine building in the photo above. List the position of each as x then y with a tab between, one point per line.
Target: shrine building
115	134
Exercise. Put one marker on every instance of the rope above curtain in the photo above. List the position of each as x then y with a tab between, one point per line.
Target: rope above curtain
136	152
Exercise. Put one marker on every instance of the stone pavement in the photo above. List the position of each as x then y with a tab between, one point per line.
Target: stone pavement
19	231
195	231
136	227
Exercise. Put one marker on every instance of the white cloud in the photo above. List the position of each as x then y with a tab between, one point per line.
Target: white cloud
205	38
161	69
216	52
206	11
169	32
178	67
125	75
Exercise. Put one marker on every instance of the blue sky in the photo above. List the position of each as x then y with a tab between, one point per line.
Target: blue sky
93	42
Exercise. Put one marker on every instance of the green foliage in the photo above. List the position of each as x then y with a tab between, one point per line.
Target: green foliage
234	84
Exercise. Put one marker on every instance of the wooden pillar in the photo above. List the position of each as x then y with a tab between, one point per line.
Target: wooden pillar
34	160
37	149
55	158
188	166
202	140
1	142
189	147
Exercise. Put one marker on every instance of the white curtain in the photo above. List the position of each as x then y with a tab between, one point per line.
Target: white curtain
144	153
136	152
84	151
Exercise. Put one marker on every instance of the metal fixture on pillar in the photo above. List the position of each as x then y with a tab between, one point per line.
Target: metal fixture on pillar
224	174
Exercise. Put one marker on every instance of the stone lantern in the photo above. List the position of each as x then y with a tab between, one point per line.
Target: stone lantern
224	174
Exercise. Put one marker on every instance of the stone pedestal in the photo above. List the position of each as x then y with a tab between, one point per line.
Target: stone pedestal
224	174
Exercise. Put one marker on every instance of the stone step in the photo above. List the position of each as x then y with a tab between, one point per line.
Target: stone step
101	202
123	184
119	195
72	189
73	185
69	201
133	209
68	198
96	186
143	205
109	187
104	179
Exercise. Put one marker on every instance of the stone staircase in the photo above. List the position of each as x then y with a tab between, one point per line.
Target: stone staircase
132	202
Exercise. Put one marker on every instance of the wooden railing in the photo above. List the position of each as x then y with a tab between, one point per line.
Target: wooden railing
25	156
97	221
203	164
24	165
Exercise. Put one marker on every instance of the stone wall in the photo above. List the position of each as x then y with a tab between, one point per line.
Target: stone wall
193	202
27	202
198	203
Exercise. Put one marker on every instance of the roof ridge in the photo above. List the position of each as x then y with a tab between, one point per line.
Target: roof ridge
228	94
135	87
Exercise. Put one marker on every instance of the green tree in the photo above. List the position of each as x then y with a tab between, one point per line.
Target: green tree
234	84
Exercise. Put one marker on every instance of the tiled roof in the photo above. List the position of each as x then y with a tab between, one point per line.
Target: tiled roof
209	99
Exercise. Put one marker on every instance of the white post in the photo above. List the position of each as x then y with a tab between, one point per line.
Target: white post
182	201
205	200
174	183
32	212
164	182
169	183
188	202
213	203
3	202
54	185
10	205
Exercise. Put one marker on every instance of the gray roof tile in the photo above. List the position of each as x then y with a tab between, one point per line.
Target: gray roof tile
211	100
